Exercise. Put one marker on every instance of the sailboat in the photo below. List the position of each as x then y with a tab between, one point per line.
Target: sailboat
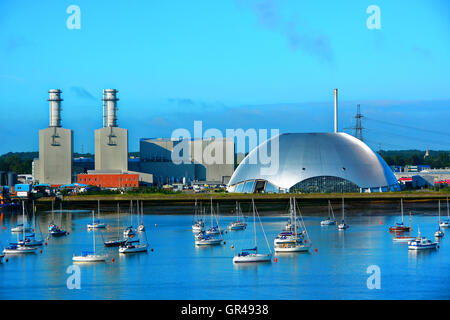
129	231
19	247
403	238
135	245
197	223
252	255
118	241
238	224
30	239
53	229
21	227
141	227
331	220
446	223
343	225
214	229
294	242
96	224
90	256
439	233
399	226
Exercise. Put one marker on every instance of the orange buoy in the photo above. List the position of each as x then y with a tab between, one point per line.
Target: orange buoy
156	225
40	251
232	246
5	227
112	259
306	241
381	222
46	243
276	259
315	250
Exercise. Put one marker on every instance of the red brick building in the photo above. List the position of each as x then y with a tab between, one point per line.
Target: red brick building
110	180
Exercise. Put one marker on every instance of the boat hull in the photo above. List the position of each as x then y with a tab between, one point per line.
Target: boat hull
403	239
212	242
328	223
89	258
253	258
299	248
427	247
23	250
114	243
136	249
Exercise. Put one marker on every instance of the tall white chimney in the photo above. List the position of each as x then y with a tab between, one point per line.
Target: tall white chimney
110	107
335	112
55	107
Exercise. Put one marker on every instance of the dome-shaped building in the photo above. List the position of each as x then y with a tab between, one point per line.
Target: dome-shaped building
314	162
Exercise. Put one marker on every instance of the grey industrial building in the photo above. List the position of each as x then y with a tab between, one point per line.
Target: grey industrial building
54	165
156	158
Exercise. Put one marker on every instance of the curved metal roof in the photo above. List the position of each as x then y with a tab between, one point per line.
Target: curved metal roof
307	155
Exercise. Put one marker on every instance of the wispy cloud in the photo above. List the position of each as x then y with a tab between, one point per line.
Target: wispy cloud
267	12
82	93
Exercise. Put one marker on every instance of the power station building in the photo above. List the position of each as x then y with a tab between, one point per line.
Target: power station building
111	142
54	165
156	158
314	163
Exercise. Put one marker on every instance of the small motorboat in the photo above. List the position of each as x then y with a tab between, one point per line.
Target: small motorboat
421	243
446	223
198	226
251	256
89	256
133	246
18	249
96	224
403	238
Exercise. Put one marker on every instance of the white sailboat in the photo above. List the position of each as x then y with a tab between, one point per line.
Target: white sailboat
446	223
130	231
198	223
22	226
252	255
439	233
20	247
118	241
331	220
135	245
238	224
96	224
343	225
402	238
90	256
214	229
30	239
295	241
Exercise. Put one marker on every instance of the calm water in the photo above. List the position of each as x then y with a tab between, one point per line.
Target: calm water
176	269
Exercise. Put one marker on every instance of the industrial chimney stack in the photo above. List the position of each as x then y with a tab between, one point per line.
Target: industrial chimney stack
335	112
55	107
110	107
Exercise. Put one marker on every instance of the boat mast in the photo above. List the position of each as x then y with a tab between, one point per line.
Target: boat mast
439	203
447	209
343	220
295	218
23	221
254	224
401	204
118	220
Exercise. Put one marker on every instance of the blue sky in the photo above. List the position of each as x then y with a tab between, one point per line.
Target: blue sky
232	64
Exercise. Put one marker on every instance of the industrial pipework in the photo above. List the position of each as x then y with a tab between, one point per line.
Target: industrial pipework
110	107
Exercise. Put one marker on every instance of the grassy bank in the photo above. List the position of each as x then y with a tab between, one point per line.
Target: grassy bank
183	197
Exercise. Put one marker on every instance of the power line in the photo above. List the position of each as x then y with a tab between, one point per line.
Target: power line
408	127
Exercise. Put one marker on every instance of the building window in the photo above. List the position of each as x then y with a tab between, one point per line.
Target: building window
325	184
